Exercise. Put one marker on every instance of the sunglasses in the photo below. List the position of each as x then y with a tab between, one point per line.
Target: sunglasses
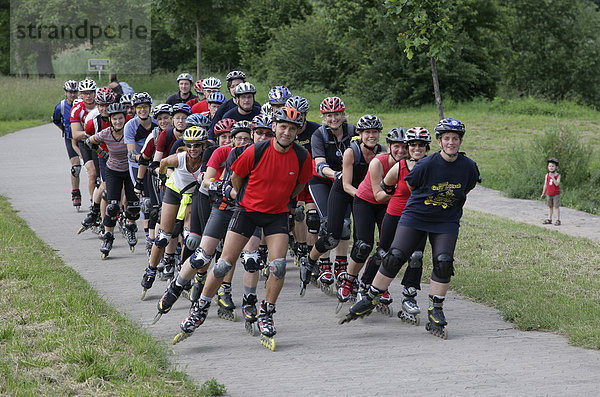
193	145
140	107
419	144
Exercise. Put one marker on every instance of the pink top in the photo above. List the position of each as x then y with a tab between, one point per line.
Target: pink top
365	190
402	193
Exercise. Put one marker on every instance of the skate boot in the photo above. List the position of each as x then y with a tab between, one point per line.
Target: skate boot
149	244
437	320
148	280
195	319
301	252
76	198
263	253
410	310
265	323
129	232
326	278
383	306
92	219
363	307
107	244
121	223
250	313
226	306
340	267
197	285
168	272
347	288
307	268
168	300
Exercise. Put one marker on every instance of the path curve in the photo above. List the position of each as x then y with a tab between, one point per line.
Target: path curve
378	355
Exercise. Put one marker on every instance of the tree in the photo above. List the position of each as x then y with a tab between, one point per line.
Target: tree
429	29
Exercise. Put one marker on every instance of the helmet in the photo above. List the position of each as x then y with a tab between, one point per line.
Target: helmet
449	125
198	119
395	135
235	74
287	114
126	99
279	94
105	96
301	104
553	160
141	97
195	134
332	104
368	122
267	109
211	83
115	108
162	108
185	76
71	85
87	85
223	126
216	97
181	107
418	134
198	86
240	126
261	121
245	88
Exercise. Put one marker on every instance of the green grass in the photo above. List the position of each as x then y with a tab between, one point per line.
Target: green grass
59	337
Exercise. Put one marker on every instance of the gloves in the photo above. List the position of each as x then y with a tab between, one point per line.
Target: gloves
91	145
139	186
132	156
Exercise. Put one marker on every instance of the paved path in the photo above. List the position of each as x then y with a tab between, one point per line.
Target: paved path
377	356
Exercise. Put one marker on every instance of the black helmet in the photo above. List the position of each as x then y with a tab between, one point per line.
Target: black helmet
396	135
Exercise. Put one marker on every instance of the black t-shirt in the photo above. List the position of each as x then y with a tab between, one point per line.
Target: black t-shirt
303	139
224	108
176	98
441	188
331	149
237	116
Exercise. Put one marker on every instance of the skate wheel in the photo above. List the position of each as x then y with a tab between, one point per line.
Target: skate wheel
144	294
156	318
132	248
81	230
339	307
417	320
181	337
251	328
234	316
302	289
267	342
104	256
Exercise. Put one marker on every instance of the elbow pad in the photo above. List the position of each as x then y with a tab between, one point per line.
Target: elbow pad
143	161
387	188
319	168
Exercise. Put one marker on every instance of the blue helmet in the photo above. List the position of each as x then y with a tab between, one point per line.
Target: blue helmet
181	107
198	120
279	94
211	83
216	97
299	103
449	125
261	121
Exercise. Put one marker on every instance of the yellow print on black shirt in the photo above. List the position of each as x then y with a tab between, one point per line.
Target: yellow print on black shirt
445	195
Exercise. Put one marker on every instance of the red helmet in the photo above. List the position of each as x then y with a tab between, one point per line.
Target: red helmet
198	86
223	126
332	104
105	96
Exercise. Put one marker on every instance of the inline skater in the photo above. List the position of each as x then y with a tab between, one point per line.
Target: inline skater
214	100
439	184
62	119
369	206
127	101
184	81
328	144
418	140
87	92
117	175
183	180
199	94
209	86
278	96
281	168
245	109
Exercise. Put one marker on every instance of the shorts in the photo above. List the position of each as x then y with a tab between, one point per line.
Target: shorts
102	165
86	152
245	223
172	197
70	151
553	201
217	224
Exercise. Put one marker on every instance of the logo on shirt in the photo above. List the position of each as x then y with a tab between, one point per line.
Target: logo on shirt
444	195
292	172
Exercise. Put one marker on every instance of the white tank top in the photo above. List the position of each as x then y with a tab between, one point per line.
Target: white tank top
182	177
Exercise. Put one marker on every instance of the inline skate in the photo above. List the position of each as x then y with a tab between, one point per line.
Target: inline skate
168	299
384	306
363	307
107	244
76	198
92	219
193	321
250	314
226	309
340	266
129	233
265	323
148	280
326	279
347	290
308	267
437	321
169	262
410	309
197	285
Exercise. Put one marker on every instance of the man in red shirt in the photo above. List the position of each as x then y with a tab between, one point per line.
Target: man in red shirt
280	167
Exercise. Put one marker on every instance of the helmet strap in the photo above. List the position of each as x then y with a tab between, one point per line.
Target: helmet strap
283	146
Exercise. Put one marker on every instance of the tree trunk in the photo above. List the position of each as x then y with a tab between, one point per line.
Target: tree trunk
44	61
436	89
198	49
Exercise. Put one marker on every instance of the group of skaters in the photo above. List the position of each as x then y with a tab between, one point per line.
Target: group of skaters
228	179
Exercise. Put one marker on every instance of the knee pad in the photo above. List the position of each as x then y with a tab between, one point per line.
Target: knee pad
313	221
222	267
277	268
251	261
323	227
326	243
162	239
153	217
133	211
146	205
416	260
380	253
299	213
177	229
75	170
443	267
113	209
200	258
185	233
393	261
104	195
346	229
360	251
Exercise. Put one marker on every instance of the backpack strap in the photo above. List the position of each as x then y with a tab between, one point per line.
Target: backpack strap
62	111
356	151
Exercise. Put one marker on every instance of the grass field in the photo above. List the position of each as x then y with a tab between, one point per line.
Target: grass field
59	337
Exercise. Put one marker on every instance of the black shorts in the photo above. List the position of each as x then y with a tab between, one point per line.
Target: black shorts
86	152
216	226
245	223
172	197
70	151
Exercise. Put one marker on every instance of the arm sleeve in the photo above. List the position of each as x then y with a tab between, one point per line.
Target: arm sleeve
243	165
56	116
